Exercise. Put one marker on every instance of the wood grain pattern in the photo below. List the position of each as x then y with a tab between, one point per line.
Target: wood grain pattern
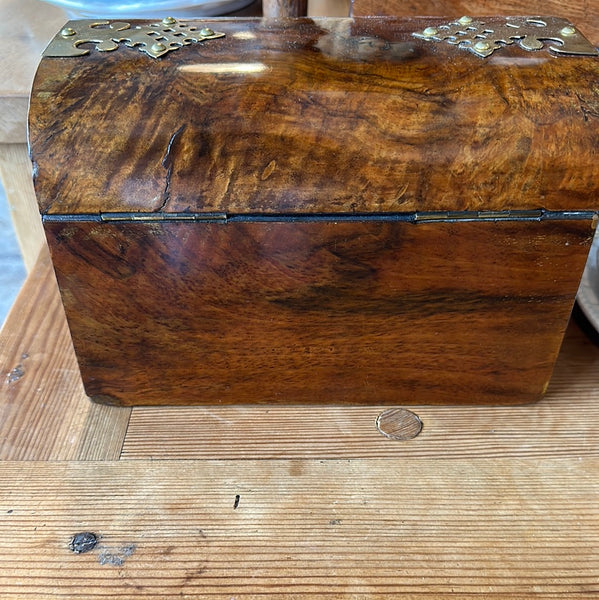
562	424
43	408
582	13
315	115
318	312
103	433
493	529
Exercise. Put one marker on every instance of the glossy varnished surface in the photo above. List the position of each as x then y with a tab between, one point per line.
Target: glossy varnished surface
336	313
315	116
583	13
302	116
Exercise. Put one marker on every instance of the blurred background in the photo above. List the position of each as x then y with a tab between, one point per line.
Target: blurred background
12	268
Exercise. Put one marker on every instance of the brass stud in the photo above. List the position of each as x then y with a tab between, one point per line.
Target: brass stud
482	46
169	21
206	32
465	20
157	47
430	31
67	32
568	30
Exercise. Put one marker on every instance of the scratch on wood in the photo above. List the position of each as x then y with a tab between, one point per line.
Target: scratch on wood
268	170
402	192
168	163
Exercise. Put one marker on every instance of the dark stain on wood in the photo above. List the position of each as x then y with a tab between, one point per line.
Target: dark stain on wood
83	542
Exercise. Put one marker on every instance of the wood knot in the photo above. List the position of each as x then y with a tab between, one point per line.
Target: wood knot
399	424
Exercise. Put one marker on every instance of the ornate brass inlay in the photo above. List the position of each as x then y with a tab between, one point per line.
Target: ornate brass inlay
531	33
155	39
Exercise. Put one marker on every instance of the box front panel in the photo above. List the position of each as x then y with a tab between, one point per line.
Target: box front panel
317	312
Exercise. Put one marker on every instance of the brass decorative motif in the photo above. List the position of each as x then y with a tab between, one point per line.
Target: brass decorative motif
155	39
533	33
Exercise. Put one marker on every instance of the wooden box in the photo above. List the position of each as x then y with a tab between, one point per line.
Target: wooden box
368	210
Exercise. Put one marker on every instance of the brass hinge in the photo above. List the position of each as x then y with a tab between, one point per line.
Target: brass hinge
155	217
155	39
530	33
480	215
418	217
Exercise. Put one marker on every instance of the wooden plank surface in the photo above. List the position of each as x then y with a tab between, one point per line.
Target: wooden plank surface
44	413
488	503
495	529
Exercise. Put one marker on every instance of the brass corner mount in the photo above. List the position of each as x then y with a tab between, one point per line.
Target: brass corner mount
155	39
483	37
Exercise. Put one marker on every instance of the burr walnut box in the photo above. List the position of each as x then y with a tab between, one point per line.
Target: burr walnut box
369	210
